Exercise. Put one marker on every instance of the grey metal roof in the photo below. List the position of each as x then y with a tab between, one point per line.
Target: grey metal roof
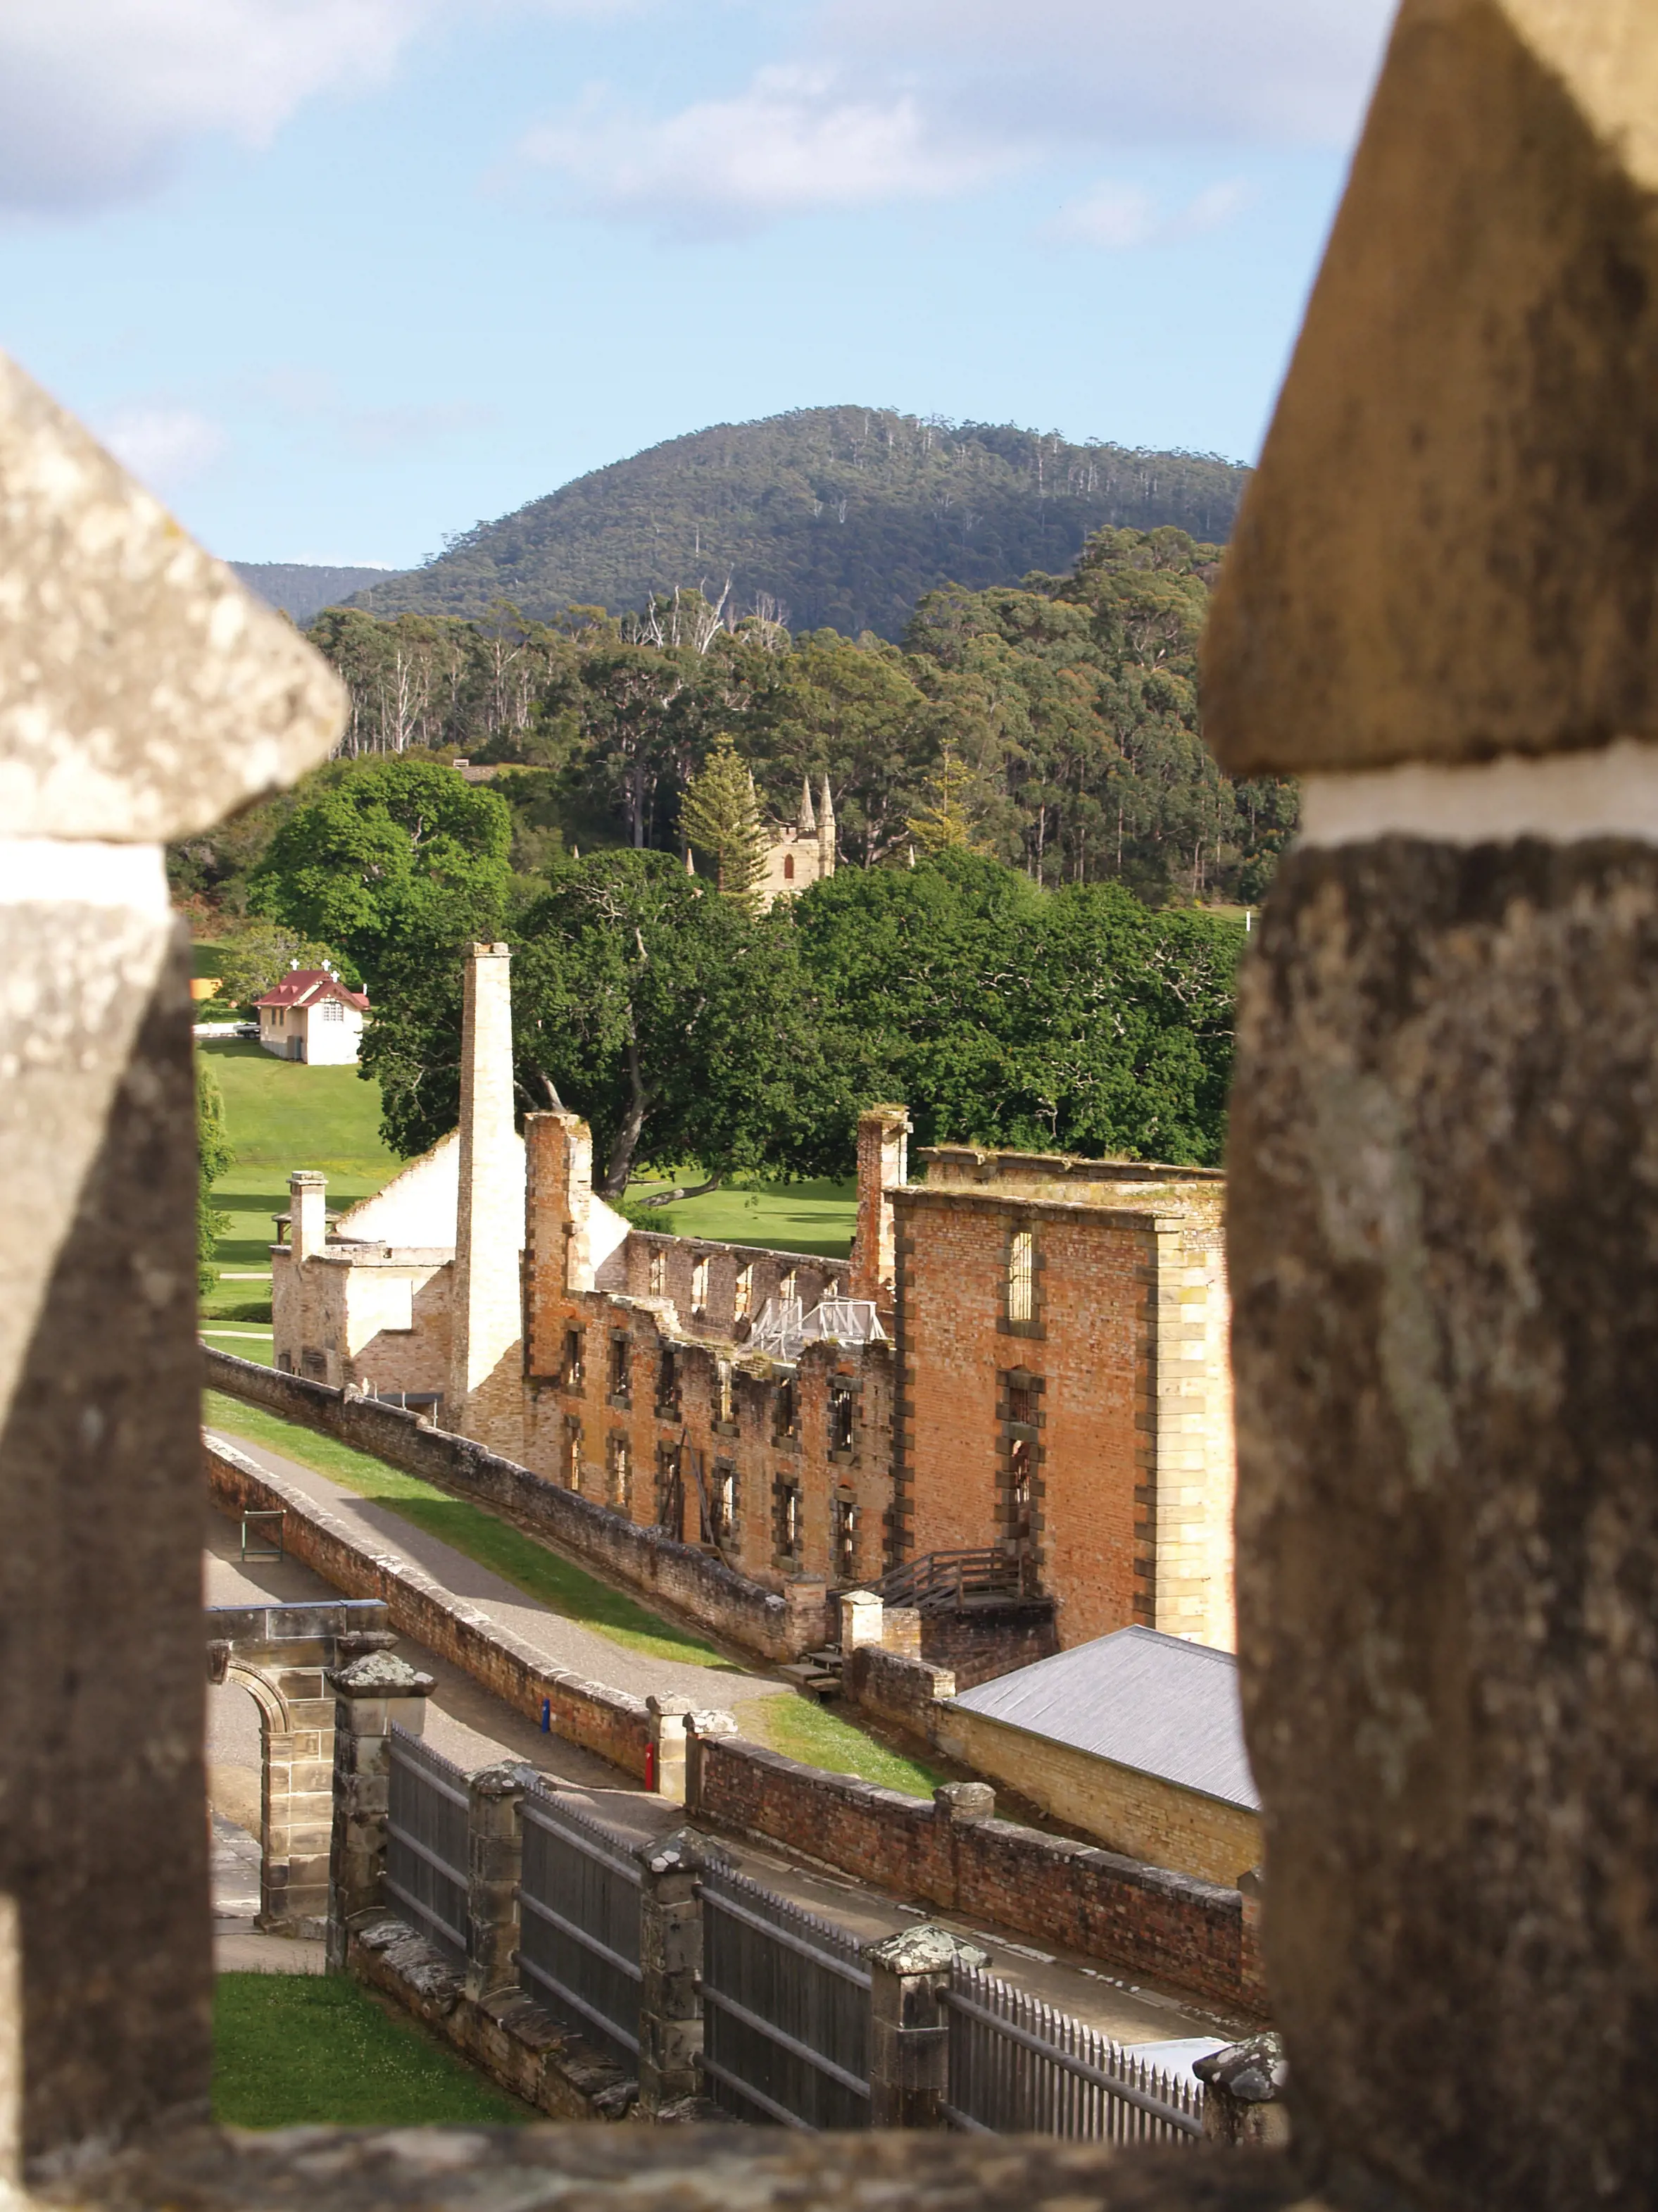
1154	1702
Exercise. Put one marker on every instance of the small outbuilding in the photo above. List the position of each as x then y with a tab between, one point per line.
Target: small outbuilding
311	1015
1136	1738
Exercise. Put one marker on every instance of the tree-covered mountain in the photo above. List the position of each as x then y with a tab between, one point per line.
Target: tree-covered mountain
825	517
302	589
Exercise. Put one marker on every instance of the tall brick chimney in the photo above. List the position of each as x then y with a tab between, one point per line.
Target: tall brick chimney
883	1159
485	1397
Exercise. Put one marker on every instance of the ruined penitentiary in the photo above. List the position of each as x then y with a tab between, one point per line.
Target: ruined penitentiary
1098	1681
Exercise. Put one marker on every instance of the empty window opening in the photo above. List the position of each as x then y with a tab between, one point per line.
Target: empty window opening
845	1541
722	1505
572	1359
700	1286
659	1274
723	1391
620	1474
670	1490
620	1350
1022	1276
839	1416
788	1410
743	1294
1021	1524
786	1288
572	1455
667	1382
786	1515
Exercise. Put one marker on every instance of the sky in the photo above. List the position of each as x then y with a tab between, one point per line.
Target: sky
339	278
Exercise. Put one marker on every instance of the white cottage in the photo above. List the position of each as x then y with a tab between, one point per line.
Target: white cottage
310	1015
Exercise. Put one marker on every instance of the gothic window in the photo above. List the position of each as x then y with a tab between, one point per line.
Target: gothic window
1022	1275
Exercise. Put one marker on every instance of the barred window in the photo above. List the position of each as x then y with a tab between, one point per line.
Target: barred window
333	1010
1022	1276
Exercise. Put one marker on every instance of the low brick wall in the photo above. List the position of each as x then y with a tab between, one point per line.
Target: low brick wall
508	2036
773	1625
1189	1935
985	1641
612	1722
899	1691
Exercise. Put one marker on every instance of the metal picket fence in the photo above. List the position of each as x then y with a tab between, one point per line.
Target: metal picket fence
1017	2067
785	2010
425	1843
578	1923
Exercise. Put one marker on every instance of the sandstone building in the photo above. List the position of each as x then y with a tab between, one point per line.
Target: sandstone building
1023	1361
801	853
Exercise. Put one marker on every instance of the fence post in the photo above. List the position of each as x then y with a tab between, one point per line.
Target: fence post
1243	2092
668	1746
909	2025
495	1859
700	1726
671	1966
368	1696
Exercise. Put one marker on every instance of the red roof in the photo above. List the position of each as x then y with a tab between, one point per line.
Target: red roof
303	987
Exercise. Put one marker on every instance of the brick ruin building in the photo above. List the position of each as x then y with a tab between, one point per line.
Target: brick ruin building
1024	1357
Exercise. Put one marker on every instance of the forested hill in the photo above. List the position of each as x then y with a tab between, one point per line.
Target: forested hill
845	515
302	589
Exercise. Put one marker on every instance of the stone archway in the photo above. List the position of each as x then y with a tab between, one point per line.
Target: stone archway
282	1655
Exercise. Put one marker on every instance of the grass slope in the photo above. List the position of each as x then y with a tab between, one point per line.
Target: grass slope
846	514
801	1728
298	2049
818	1217
556	1583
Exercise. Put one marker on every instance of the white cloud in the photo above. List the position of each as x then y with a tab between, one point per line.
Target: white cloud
1116	218
894	100
98	97
163	445
794	140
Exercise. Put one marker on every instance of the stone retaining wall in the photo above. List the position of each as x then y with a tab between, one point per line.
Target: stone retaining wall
775	1626
1190	1935
610	1722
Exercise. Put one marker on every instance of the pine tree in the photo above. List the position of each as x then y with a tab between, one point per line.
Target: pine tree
944	824
719	815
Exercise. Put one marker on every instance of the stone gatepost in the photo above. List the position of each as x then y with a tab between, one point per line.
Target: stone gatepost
1243	2092
909	2025
668	1717
494	1857
369	1695
860	1620
144	696
671	1964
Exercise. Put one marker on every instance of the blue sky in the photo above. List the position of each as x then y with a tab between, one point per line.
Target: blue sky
339	277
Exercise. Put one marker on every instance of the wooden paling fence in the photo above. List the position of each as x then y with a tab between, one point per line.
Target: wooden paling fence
1017	2067
426	1847
579	1896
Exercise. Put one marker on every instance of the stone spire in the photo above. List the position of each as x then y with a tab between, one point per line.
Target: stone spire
808	819
826	832
484	1398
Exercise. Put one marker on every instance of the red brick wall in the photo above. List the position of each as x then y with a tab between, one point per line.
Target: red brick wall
1087	1346
1190	1935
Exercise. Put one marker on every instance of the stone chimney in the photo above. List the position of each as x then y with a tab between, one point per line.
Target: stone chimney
826	833
883	1160
307	1202
485	1394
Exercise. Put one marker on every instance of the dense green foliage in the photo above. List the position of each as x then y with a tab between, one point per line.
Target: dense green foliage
837	516
212	1157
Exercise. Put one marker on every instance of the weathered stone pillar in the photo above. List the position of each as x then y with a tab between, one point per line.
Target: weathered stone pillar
909	2025
495	1854
883	1160
1437	611
308	1213
701	1727
143	695
860	1620
485	1394
668	1716
1244	2093
670	1962
369	1694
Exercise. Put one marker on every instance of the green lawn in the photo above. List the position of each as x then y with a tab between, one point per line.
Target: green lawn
818	1217
802	1729
561	1586
297	2049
